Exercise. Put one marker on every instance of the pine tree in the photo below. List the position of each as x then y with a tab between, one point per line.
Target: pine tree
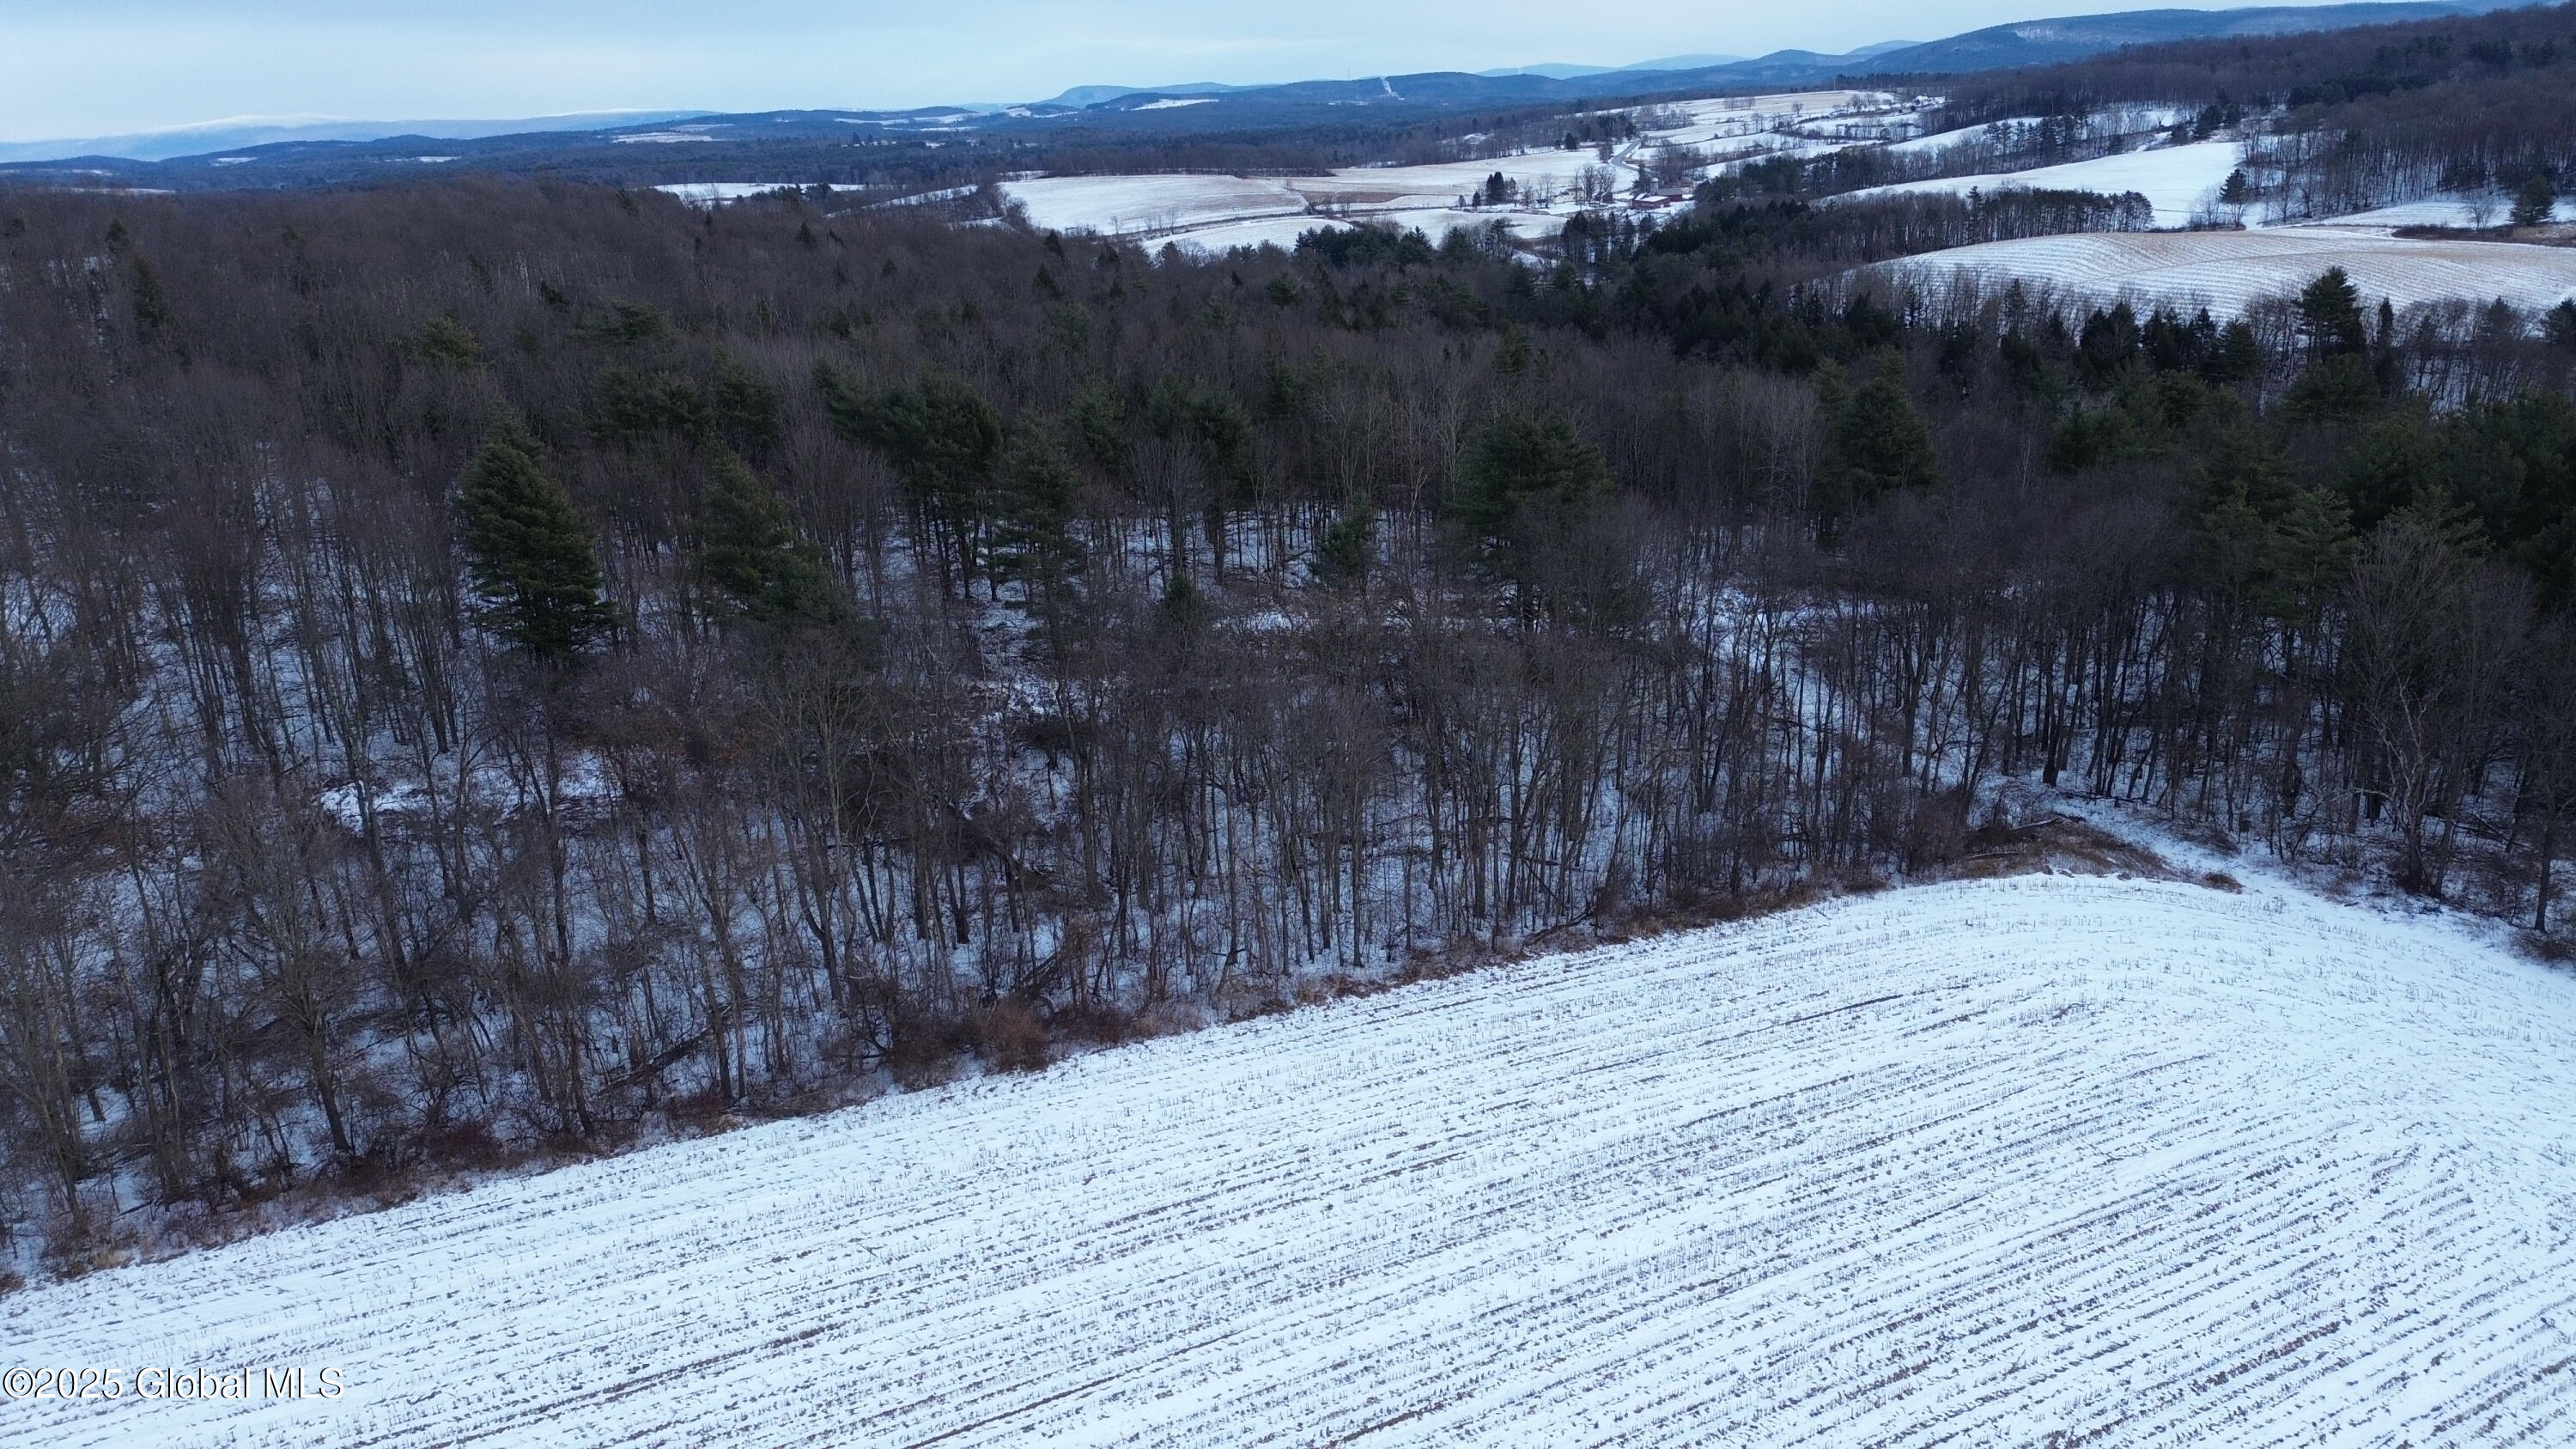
941	436
1346	547
2330	315
1033	539
528	550
1878	443
2237	190
747	408
2239	356
2536	202
445	341
748	549
1523	485
151	308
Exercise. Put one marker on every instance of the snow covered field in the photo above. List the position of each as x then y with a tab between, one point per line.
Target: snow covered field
2227	270
1723	118
1980	1163
1142	205
2176	180
2441	211
1215	213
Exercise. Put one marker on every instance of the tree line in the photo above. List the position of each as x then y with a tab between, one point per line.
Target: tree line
497	667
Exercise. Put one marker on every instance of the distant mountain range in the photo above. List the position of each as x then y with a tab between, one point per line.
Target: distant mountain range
272	151
241	132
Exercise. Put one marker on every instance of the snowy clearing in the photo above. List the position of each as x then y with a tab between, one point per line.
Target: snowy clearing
1211	214
1723	117
1281	232
2456	211
2226	271
1944	140
2176	180
716	193
1975	1163
1217	213
1147	205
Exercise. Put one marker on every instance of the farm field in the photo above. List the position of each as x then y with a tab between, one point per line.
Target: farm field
2176	180
1211	213
2228	270
1978	1163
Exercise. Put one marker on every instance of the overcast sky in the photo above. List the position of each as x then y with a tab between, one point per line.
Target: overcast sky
104	67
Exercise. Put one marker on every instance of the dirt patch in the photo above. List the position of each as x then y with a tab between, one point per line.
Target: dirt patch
2055	845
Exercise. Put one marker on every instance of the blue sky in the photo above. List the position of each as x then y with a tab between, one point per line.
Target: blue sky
102	67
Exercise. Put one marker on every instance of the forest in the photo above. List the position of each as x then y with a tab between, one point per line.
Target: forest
500	670
2359	118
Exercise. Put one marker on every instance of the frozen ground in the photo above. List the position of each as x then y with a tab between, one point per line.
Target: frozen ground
714	193
1215	213
1148	205
1982	1163
2176	180
2440	211
2227	270
1723	118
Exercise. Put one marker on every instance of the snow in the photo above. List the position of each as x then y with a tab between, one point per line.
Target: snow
1177	102
1550	172
2176	180
2440	211
1725	117
713	193
1215	213
1944	140
2227	271
1148	205
1437	222
1977	1163
1281	232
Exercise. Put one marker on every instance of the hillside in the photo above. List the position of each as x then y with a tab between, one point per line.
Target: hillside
1198	125
2035	1160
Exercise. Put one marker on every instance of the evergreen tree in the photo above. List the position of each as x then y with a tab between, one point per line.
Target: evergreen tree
1033	537
1524	483
2309	552
445	341
528	550
2239	357
941	436
2340	382
1347	545
1876	442
2536	202
747	409
2330	316
151	308
748	549
2236	191
1098	422
2107	346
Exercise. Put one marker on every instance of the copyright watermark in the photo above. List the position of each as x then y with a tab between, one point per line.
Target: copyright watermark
162	1381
